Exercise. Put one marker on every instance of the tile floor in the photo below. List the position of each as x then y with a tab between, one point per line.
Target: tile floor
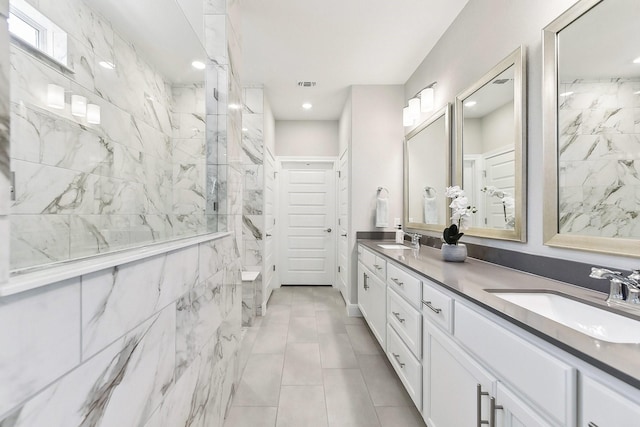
307	364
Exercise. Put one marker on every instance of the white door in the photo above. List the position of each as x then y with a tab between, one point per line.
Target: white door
269	275
307	212
500	173
343	224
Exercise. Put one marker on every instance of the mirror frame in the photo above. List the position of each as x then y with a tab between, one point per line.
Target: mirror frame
551	233
446	113
517	59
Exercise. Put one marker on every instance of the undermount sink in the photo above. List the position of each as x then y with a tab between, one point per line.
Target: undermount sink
393	246
582	317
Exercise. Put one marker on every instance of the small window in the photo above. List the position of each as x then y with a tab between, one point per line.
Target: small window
32	27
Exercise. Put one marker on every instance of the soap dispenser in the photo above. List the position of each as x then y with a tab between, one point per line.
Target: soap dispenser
399	234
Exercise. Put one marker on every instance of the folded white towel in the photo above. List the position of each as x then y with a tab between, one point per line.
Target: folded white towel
382	212
430	210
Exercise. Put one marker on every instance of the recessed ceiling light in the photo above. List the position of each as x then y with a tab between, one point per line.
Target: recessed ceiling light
198	65
245	130
307	106
637	60
470	103
566	94
106	64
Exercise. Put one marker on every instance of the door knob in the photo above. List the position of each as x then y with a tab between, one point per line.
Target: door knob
328	230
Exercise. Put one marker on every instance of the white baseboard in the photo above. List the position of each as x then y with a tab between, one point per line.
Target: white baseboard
353	310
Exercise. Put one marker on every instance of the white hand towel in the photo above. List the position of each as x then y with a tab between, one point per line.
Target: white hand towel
430	210
382	212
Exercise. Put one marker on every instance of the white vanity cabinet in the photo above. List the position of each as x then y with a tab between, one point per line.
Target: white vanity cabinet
372	293
545	382
456	389
601	406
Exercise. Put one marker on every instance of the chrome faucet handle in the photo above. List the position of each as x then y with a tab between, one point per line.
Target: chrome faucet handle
633	295
635	276
615	290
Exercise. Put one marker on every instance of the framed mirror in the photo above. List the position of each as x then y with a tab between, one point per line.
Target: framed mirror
591	99
427	173
491	149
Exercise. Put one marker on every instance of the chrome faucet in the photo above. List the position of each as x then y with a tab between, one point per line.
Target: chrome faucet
415	239
618	284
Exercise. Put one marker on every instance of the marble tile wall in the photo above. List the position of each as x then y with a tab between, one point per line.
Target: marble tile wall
4	140
253	193
224	120
600	157
84	189
150	343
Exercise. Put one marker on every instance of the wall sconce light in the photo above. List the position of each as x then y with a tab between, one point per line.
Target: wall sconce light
78	105
427	100
93	114
55	96
423	101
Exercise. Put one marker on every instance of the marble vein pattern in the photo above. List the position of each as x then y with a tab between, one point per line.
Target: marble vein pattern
39	340
599	158
121	385
143	167
116	300
4	120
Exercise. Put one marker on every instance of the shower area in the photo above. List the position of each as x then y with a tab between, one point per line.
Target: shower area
115	128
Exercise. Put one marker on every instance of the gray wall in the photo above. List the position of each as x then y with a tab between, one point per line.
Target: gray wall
484	33
306	138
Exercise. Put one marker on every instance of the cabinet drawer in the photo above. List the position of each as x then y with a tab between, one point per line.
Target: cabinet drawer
376	264
603	407
406	366
406	321
404	284
437	306
548	383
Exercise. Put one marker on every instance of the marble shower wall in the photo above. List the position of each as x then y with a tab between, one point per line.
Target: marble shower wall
599	158
150	343
253	194
84	189
4	140
224	120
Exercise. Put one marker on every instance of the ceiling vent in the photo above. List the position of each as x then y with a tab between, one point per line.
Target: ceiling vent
307	84
500	81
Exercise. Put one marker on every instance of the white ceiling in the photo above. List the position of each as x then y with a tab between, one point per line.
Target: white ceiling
337	43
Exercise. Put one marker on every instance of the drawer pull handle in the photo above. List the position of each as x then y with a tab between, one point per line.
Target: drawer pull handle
428	304
397	282
592	424
377	267
492	415
397	357
398	316
479	394
365	284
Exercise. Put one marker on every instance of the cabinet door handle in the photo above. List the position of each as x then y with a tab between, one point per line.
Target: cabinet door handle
397	282
366	285
397	357
428	304
377	267
592	424
268	235
344	235
479	394
395	313
492	415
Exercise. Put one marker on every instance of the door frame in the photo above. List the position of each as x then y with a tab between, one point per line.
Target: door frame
279	215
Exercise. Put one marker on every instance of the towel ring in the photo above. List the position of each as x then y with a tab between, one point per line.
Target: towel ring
380	189
428	191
